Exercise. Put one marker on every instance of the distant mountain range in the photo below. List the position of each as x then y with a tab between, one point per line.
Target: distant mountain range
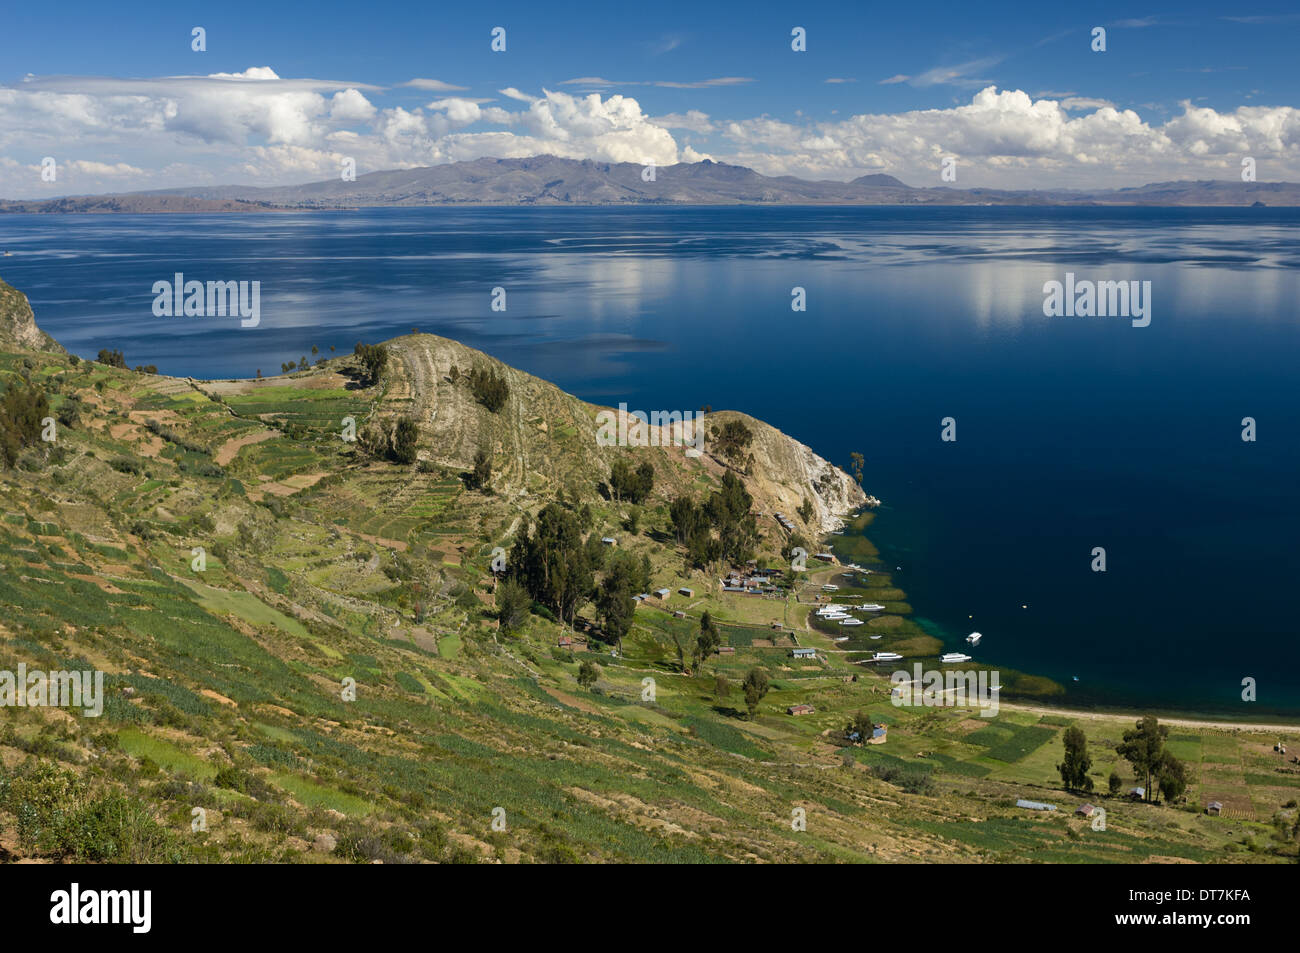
552	181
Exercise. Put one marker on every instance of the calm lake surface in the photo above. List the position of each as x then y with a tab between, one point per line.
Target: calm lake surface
1072	433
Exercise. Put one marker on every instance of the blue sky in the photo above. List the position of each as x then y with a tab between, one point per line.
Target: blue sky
1017	96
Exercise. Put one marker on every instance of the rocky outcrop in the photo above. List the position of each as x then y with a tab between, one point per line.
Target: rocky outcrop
543	439
18	330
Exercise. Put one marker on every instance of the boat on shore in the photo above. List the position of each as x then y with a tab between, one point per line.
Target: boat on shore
886	657
870	607
851	621
949	657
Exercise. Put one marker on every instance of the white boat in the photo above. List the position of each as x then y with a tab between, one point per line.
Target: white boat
974	638
850	622
948	657
836	617
886	657
877	636
830	587
871	607
841	638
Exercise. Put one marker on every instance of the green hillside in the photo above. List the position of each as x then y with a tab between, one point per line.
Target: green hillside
231	562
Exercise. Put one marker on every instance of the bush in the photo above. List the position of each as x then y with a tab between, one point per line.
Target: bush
126	465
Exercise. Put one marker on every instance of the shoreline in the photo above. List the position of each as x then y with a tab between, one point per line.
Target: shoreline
1183	719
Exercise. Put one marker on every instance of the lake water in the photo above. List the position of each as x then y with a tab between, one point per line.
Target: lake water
1072	433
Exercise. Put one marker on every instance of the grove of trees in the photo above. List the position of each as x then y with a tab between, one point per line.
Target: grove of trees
721	527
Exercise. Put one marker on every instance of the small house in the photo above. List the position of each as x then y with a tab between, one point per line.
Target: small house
1085	810
1214	807
800	710
1035	805
803	653
686	592
726	650
879	734
679	614
609	540
663	593
1137	794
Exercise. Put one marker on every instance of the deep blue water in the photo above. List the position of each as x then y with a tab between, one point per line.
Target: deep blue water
1072	432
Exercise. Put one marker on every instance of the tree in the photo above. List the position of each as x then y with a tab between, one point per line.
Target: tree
1143	746
111	358
681	651
1114	782
513	603
22	408
405	437
1074	768
489	388
628	484
552	561
632	522
1171	776
858	462
479	477
374	358
861	725
755	686
614	601
796	541
806	510
732	440
587	674
707	642
686	517
721	687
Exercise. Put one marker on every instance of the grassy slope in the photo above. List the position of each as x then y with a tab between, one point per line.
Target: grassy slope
224	686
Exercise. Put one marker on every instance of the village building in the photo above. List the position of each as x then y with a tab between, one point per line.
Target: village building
1035	805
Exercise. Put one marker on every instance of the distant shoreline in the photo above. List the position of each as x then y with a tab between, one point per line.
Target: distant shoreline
554	182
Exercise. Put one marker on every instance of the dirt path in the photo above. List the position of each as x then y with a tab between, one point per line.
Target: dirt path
1291	730
231	448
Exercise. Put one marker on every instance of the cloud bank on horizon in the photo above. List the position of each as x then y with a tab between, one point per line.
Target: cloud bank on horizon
253	126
